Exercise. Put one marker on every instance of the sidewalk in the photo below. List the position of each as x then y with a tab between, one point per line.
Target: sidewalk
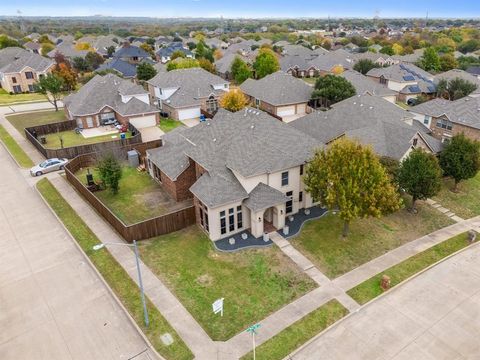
179	318
393	257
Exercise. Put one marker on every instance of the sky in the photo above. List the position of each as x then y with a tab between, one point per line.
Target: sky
244	8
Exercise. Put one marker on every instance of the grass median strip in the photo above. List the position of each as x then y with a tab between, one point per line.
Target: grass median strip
370	288
282	344
120	282
15	149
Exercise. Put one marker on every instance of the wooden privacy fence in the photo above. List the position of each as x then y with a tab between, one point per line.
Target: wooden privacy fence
146	229
73	151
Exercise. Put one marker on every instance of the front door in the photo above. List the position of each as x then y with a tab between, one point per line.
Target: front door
89	122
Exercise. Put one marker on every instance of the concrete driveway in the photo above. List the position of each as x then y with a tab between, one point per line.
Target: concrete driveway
52	303
435	316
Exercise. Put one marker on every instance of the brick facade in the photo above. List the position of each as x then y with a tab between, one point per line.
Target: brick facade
179	189
440	133
21	80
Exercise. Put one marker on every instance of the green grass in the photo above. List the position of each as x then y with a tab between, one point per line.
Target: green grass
21	121
299	332
254	283
466	202
139	197
310	80
167	124
370	288
321	241
15	149
120	282
402	105
71	138
6	98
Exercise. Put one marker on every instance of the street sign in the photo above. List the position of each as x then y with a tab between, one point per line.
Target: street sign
217	306
253	329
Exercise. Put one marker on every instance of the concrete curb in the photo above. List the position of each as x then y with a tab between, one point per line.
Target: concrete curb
117	300
293	353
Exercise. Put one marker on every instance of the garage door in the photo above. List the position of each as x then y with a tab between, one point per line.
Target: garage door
286	110
143	121
191	113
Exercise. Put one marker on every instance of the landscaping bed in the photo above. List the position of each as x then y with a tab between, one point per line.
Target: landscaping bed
15	149
139	197
297	334
24	120
464	203
254	283
321	241
119	281
370	288
167	124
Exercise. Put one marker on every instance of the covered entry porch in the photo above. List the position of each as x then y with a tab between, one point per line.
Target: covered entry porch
267	209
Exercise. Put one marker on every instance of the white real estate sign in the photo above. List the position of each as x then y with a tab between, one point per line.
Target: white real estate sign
217	306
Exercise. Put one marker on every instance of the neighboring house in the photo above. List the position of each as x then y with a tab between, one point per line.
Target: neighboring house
131	54
409	81
410	58
364	85
390	130
297	50
298	66
216	43
33	47
223	66
279	94
447	118
474	70
68	50
122	68
377	58
328	63
183	94
107	98
102	43
164	54
21	69
244	171
457	73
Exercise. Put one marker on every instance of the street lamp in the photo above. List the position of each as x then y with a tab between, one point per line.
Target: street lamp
102	245
253	330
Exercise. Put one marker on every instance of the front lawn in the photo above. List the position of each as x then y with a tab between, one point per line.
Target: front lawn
297	334
116	277
254	283
71	138
6	98
139	197
167	124
370	288
15	149
22	121
320	240
466	202
310	80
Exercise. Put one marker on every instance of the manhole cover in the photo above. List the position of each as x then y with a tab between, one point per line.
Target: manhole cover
167	339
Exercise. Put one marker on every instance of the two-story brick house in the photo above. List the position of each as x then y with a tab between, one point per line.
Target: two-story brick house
447	118
184	93
20	69
244	170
